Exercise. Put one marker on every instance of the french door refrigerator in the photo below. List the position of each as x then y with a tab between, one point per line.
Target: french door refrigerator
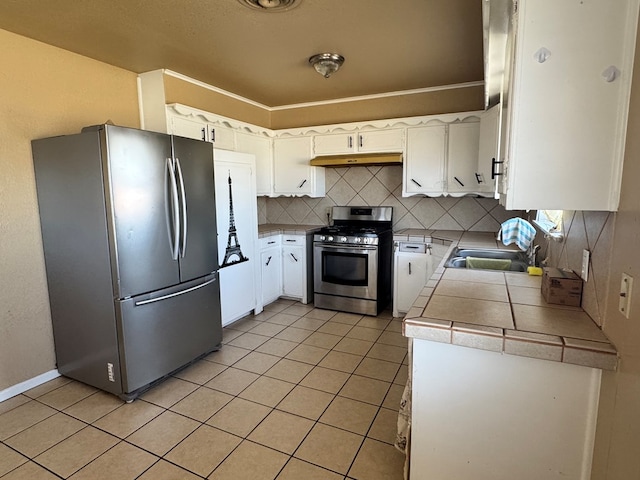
130	244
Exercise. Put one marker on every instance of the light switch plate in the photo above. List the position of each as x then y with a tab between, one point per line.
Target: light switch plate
585	265
624	304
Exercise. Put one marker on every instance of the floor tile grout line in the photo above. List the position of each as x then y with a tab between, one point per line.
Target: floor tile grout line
379	406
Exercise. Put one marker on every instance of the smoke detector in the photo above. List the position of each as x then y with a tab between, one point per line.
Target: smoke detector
271	5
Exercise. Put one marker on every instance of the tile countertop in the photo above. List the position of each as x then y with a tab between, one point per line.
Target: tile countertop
501	311
267	229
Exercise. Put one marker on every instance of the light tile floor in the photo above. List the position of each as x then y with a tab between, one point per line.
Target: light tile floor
294	393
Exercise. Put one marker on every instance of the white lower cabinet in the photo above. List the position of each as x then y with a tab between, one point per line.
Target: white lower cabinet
283	261
271	273
294	267
410	274
413	265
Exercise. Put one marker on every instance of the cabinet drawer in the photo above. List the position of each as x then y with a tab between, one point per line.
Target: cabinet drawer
270	241
293	240
413	247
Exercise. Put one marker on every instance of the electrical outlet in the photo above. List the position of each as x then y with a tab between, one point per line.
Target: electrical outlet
624	304
585	265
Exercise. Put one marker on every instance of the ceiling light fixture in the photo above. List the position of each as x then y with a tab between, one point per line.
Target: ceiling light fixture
326	63
271	5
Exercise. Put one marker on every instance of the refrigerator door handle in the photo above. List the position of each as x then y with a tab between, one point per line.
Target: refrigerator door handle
175	294
183	198
174	214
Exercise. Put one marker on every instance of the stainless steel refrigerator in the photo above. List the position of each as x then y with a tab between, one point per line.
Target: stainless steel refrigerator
129	232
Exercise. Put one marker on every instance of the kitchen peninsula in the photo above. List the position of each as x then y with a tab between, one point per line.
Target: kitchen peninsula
503	384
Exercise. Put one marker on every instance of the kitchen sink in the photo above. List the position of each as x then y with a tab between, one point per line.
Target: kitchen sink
458	258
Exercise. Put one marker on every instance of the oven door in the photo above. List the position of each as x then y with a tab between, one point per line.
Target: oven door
349	271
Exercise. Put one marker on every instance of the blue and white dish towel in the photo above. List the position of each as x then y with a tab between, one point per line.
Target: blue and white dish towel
519	231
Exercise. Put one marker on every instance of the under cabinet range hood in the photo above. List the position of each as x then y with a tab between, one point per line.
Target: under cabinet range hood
357	159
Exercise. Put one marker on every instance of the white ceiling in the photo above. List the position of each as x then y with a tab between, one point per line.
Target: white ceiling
389	45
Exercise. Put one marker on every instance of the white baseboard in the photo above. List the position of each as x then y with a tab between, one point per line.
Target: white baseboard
28	385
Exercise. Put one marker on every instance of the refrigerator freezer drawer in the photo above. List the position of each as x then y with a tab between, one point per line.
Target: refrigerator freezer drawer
162	331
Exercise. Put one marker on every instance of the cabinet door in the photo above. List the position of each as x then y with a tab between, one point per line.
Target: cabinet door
390	140
260	147
568	121
424	163
462	161
186	127
293	270
412	270
271	270
292	173
488	152
334	144
221	137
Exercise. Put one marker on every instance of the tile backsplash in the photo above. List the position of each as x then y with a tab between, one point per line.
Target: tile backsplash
379	185
592	231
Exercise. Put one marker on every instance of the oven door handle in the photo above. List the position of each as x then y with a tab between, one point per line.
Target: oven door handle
345	247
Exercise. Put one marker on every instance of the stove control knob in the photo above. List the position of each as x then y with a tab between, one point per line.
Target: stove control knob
357	239
323	238
343	239
330	238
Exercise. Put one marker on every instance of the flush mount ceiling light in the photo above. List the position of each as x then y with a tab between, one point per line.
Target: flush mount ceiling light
271	5
326	63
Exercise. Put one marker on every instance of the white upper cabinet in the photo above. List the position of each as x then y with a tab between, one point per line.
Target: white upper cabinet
568	105
424	161
292	173
489	149
260	146
369	141
462	158
200	129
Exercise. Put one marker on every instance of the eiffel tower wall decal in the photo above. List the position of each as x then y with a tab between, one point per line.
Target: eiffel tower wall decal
233	253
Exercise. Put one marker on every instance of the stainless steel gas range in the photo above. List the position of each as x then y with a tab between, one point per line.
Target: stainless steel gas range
352	260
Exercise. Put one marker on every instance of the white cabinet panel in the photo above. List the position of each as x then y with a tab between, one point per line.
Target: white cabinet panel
334	144
411	272
384	140
369	141
462	161
237	233
567	123
294	267
292	173
260	146
425	160
187	127
271	274
488	151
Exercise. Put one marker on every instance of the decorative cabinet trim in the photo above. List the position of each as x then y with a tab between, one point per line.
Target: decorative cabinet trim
218	120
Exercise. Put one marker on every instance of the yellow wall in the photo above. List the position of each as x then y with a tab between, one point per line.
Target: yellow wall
45	91
452	100
186	93
617	455
429	103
